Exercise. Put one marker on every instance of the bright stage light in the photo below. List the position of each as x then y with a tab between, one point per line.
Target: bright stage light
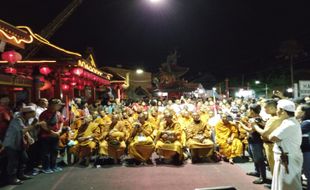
155	1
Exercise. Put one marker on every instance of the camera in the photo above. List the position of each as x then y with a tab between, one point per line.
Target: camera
258	120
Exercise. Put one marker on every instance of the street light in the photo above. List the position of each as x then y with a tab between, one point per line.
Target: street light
139	71
289	90
266	87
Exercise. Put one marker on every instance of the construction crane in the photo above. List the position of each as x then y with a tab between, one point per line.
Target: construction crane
52	27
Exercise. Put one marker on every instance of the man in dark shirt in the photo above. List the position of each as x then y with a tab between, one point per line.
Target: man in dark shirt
256	144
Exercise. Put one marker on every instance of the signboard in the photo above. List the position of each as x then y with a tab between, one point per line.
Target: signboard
304	88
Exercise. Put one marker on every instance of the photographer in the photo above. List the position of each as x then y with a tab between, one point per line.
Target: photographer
256	144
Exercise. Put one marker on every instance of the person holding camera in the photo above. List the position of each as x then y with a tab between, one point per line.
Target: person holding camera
256	144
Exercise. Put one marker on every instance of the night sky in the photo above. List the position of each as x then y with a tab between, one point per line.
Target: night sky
224	38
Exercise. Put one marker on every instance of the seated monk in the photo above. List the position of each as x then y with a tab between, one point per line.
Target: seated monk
87	136
243	134
226	134
154	119
127	125
168	140
185	120
204	115
142	145
114	145
199	139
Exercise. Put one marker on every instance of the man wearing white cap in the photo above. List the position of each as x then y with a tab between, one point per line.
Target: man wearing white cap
287	152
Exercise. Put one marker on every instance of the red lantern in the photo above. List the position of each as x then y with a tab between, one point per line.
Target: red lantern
65	79
11	56
67	74
73	83
80	87
10	70
65	87
45	70
77	71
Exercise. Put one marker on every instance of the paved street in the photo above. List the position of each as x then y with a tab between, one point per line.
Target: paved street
186	177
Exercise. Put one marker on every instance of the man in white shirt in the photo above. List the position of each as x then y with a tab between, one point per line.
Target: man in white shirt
287	138
41	106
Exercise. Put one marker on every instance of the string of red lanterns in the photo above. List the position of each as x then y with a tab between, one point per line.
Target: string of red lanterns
80	79
10	70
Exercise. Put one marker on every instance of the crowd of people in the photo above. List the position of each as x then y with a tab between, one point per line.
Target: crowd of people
275	135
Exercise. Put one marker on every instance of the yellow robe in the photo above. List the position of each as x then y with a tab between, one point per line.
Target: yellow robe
117	134
185	123
142	146
204	117
166	148
106	120
155	121
87	146
223	132
199	140
127	125
103	144
199	131
270	126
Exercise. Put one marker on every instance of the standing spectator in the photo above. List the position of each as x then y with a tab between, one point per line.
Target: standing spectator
34	149
256	144
271	124
15	142
302	113
49	136
41	106
5	115
287	152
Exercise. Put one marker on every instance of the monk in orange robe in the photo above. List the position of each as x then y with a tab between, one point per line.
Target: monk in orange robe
168	140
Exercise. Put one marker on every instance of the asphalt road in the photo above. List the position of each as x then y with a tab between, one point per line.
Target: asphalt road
187	177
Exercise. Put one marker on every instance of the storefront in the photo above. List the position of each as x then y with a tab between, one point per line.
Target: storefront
60	73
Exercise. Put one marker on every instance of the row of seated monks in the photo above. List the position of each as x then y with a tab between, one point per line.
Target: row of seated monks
138	135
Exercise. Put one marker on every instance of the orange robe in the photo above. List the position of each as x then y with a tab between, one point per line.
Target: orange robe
222	133
142	146
166	147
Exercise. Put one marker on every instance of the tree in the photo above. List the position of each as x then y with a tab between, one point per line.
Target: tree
291	50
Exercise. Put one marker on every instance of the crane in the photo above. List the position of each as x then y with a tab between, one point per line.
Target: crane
52	27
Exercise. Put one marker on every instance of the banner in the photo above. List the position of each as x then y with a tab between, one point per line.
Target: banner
304	88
